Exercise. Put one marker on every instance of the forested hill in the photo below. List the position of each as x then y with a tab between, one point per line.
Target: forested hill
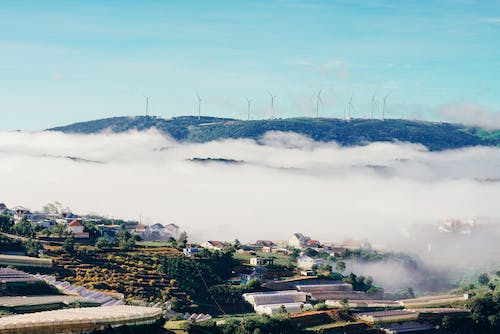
435	136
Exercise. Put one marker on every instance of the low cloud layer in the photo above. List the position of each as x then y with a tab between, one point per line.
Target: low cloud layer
470	114
287	183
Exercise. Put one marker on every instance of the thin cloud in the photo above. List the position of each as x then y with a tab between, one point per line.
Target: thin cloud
469	113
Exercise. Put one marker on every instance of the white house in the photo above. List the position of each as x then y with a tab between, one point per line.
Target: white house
257	261
213	245
307	263
157	231
20	213
172	230
75	227
297	240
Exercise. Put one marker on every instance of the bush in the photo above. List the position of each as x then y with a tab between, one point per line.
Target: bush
69	245
103	244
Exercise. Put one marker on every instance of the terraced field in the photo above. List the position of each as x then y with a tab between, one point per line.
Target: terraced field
134	274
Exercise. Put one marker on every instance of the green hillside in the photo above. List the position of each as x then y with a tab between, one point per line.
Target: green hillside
435	136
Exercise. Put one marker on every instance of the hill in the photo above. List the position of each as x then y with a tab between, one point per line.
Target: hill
435	136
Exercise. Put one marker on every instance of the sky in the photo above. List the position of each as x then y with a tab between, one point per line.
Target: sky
68	61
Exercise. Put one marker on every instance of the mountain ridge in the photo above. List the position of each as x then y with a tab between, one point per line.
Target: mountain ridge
435	136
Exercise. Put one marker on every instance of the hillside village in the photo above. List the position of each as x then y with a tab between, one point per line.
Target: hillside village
54	261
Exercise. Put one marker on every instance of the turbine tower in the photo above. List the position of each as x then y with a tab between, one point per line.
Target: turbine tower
147	103
384	109
249	104
373	104
199	105
272	103
350	107
318	101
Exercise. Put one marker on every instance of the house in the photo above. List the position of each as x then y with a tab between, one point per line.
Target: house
307	263
189	252
297	240
20	213
264	243
172	230
261	261
267	249
256	261
213	245
141	229
252	273
45	223
75	227
313	244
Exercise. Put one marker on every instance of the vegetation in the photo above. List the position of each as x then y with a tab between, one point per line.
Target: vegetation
23	228
435	136
6	223
197	276
31	247
9	244
252	324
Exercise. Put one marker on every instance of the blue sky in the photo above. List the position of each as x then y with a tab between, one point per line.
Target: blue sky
68	61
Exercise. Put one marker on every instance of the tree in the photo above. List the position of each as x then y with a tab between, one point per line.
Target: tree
340	266
485	312
94	233
294	255
103	244
46	232
483	279
69	245
31	247
311	252
23	228
183	240
127	244
6	223
59	230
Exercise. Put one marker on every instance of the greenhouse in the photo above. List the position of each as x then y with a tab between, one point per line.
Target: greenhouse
79	319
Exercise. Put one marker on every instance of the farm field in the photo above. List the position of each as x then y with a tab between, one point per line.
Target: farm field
134	274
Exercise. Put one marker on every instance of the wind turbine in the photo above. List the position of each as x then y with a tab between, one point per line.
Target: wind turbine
147	103
350	107
249	104
199	105
384	108
272	102
318	101
373	104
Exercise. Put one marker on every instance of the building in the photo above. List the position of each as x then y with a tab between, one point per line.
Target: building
75	227
172	230
157	232
276	301
307	263
20	213
189	252
264	243
252	273
257	261
313	244
213	245
297	240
